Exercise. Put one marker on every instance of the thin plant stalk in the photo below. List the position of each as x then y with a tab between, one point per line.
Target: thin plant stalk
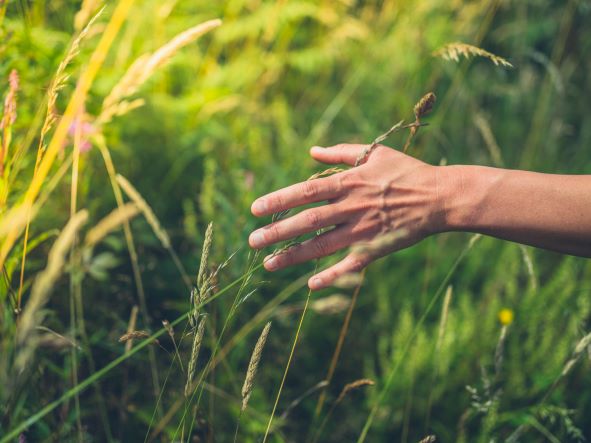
137	276
394	370
250	270
339	346
34	418
291	353
78	97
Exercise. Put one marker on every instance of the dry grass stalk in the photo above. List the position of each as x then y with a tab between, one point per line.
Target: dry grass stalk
60	78
44	283
326	172
133	335
424	106
582	345
352	386
444	315
253	365
111	222
333	304
86	10
453	51
349	280
368	150
131	326
489	138
197	340
421	108
202	273
145	66
143	206
8	117
378	246
16	217
203	282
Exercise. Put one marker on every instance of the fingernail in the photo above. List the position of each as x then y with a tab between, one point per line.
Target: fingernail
316	148
271	264
257	239
259	206
316	283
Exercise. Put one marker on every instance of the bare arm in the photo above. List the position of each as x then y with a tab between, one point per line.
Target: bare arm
395	193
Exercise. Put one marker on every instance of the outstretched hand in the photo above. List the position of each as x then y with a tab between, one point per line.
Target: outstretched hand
391	193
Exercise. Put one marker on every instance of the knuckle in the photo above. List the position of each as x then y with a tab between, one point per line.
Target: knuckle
276	203
313	219
357	263
272	233
345	181
310	189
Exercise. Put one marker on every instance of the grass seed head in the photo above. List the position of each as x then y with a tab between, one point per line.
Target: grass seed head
197	340
352	386
424	105
255	359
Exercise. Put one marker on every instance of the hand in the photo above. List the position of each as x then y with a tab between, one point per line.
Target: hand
390	193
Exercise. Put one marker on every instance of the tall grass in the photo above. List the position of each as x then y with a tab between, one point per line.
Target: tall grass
126	132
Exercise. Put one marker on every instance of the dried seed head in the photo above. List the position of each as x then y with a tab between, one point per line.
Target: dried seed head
168	328
352	386
197	340
349	280
424	105
333	304
202	274
452	51
253	365
133	335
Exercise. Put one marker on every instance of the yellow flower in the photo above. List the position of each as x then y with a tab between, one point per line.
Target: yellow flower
506	316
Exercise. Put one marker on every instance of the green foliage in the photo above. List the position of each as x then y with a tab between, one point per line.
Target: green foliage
231	117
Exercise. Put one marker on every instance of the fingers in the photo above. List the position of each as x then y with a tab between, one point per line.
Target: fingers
343	153
310	191
306	221
350	264
317	247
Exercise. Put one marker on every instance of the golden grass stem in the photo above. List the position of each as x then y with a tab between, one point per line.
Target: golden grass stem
154	223
44	283
339	346
291	353
75	104
101	144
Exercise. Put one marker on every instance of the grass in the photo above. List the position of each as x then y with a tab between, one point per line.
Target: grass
126	133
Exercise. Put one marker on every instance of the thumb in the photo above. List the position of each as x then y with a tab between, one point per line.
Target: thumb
342	153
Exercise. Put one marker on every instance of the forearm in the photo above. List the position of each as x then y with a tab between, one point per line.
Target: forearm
544	210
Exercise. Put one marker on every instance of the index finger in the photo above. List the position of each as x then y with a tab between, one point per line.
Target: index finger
303	193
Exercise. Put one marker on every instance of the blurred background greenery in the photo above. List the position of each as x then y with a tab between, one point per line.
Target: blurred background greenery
231	117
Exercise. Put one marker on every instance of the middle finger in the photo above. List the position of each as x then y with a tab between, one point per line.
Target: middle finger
306	221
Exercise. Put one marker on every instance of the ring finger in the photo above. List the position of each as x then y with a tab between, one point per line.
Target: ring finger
320	246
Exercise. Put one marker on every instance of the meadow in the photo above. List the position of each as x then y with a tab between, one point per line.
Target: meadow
134	136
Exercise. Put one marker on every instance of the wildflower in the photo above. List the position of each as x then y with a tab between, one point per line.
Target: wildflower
86	129
506	316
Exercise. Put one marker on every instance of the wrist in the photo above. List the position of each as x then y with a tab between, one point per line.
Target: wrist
462	192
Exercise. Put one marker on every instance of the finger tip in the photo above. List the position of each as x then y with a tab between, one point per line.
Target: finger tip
315	283
258	207
315	150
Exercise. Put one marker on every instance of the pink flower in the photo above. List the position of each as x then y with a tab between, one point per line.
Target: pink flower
86	129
